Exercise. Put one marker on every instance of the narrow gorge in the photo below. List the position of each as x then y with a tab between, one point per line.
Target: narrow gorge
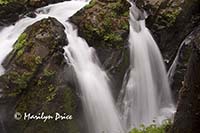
99	66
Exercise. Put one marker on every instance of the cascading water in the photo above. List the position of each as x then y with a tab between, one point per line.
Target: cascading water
146	95
99	106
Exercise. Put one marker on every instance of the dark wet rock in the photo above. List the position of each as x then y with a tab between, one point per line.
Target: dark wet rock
187	118
31	14
179	67
36	81
12	11
40	3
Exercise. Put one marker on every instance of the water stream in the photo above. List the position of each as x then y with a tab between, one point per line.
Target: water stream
146	96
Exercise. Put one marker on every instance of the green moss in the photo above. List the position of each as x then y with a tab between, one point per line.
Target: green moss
41	82
91	4
126	14
38	60
52	93
20	81
116	6
4	1
170	16
9	1
21	41
48	72
124	25
20	52
112	37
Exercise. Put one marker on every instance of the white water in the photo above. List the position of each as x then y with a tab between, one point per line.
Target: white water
146	95
101	113
98	104
176	61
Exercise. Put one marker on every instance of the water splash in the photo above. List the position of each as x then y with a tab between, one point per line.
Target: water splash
146	95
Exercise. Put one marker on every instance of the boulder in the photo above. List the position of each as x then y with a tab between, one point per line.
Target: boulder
37	80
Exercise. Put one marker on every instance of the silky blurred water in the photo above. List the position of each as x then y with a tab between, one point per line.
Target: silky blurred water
146	97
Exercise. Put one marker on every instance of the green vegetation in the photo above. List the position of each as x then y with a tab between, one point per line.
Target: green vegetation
153	128
170	16
38	60
48	72
4	1
19	45
113	37
91	4
20	81
8	1
21	41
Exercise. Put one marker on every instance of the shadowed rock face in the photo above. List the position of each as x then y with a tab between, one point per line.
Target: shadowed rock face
12	11
37	80
187	118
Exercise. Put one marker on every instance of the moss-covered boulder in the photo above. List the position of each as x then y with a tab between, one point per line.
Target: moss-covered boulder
187	118
104	23
36	81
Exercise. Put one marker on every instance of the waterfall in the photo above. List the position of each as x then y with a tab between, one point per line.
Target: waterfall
101	113
179	56
145	97
100	110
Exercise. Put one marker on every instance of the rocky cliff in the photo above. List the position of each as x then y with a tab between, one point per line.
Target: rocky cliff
187	118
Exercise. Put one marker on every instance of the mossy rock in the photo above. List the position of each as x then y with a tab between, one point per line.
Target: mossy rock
104	23
34	81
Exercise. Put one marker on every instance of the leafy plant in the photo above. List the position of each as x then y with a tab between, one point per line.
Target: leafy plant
153	128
